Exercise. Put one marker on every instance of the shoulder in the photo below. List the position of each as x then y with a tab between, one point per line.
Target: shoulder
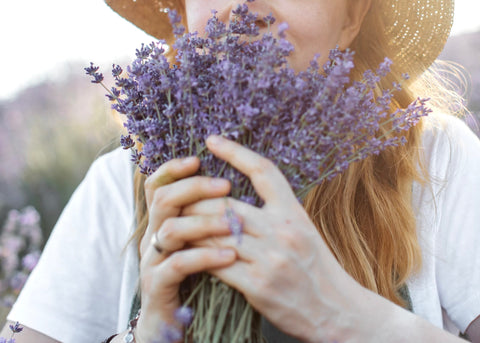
103	204
111	176
85	250
447	218
449	145
116	164
441	128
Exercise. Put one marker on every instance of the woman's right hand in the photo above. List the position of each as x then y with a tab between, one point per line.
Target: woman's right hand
167	191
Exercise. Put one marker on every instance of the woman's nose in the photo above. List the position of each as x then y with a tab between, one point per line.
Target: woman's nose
261	8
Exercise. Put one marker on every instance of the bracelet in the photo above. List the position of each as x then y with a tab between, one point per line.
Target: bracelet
130	336
109	339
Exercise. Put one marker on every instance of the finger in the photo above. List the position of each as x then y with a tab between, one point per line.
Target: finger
190	190
169	172
237	275
248	247
177	232
161	282
268	181
170	199
250	216
218	206
179	265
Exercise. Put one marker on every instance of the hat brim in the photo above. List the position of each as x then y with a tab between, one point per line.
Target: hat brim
150	16
417	30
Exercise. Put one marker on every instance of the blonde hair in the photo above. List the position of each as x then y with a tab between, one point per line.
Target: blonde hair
365	215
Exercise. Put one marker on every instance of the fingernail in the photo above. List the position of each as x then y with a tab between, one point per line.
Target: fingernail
188	160
214	140
218	183
227	253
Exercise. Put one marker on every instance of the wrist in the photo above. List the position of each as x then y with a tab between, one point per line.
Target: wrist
341	310
151	327
380	320
345	311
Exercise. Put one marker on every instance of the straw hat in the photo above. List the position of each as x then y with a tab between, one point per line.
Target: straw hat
418	28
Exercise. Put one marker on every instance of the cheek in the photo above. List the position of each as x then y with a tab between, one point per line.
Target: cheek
315	37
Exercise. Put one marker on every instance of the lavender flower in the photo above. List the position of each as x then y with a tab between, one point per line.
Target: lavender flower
234	224
312	124
30	260
16	328
93	71
20	247
169	334
238	84
184	315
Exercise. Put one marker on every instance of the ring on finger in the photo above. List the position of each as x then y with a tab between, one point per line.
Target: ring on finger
157	245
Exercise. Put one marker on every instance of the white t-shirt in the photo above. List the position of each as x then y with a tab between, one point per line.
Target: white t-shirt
83	286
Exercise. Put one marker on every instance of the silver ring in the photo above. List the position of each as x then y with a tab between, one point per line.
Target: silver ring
156	244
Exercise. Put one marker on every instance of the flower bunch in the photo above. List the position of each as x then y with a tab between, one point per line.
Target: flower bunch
20	247
237	83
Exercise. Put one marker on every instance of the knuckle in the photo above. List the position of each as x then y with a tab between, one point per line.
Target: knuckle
261	285
208	258
264	166
149	181
288	239
163	176
201	222
167	230
201	183
159	197
196	181
176	263
219	220
278	261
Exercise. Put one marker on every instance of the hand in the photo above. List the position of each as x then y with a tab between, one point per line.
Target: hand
284	268
167	191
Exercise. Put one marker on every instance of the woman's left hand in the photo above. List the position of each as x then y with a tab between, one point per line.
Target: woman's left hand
284	268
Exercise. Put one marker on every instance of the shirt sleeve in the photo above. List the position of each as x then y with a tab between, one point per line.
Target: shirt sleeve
73	293
458	207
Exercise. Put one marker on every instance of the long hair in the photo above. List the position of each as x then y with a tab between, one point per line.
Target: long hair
365	215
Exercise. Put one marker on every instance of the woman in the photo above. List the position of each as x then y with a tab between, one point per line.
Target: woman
395	230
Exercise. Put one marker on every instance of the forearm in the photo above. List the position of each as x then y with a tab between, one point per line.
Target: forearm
396	324
27	335
376	319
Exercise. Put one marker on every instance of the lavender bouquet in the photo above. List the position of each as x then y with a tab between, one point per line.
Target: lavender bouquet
235	83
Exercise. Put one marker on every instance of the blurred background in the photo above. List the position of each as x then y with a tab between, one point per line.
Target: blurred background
54	122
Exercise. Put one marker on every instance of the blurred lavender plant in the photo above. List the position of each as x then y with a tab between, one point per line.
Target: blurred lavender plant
20	247
234	83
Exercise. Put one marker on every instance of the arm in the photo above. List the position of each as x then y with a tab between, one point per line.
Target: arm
386	322
457	257
287	272
31	336
57	305
62	298
27	335
473	330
